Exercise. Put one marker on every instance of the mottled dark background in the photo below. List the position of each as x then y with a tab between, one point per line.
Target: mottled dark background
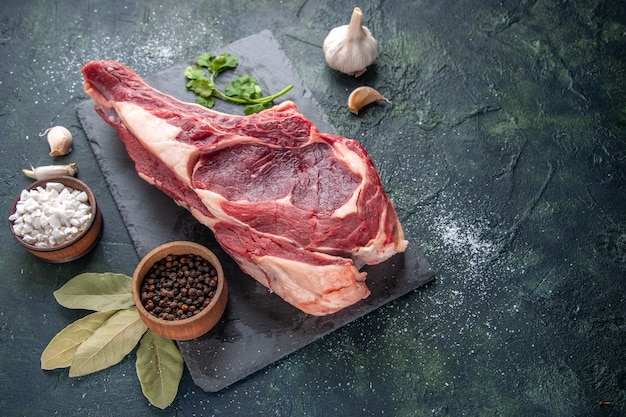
504	151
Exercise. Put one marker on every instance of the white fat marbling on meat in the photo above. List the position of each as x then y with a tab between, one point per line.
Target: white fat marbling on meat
356	165
157	136
377	250
299	283
213	202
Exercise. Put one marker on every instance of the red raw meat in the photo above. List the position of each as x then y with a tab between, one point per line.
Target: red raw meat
299	210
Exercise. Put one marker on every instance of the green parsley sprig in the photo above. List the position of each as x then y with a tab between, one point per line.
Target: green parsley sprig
244	89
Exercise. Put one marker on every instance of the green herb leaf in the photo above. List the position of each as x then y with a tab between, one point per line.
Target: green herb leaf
242	90
60	350
195	72
109	344
222	63
205	59
98	292
244	87
159	368
206	102
203	88
256	108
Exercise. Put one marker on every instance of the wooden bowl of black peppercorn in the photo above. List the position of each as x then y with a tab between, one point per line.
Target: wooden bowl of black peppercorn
179	290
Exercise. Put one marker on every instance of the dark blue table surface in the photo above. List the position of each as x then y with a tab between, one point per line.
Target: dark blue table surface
504	152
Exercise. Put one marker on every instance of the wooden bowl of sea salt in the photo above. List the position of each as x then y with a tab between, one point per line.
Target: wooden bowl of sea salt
56	219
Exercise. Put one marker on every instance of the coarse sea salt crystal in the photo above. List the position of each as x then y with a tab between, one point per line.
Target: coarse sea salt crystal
54	221
50	216
82	197
58	235
56	186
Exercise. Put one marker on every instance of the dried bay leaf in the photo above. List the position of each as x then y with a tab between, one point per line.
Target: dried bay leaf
98	292
60	350
159	368
109	344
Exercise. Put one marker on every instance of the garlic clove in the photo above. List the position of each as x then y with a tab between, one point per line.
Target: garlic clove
59	139
50	171
350	48
363	96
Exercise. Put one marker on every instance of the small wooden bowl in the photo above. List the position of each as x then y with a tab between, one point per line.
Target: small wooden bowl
81	244
191	327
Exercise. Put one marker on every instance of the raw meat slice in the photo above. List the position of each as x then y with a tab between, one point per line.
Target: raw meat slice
299	210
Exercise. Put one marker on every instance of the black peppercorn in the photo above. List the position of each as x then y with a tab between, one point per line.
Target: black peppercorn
178	287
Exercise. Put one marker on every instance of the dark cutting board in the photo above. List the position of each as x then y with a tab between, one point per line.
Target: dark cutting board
257	328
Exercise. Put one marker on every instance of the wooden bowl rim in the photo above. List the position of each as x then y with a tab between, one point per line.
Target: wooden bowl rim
68	181
180	247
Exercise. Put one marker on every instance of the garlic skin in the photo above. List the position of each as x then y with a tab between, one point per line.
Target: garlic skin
351	48
59	139
51	171
363	96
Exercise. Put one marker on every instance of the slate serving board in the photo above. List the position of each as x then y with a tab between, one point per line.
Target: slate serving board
257	328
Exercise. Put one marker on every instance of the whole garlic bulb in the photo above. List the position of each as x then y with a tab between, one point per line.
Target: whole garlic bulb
350	48
59	139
